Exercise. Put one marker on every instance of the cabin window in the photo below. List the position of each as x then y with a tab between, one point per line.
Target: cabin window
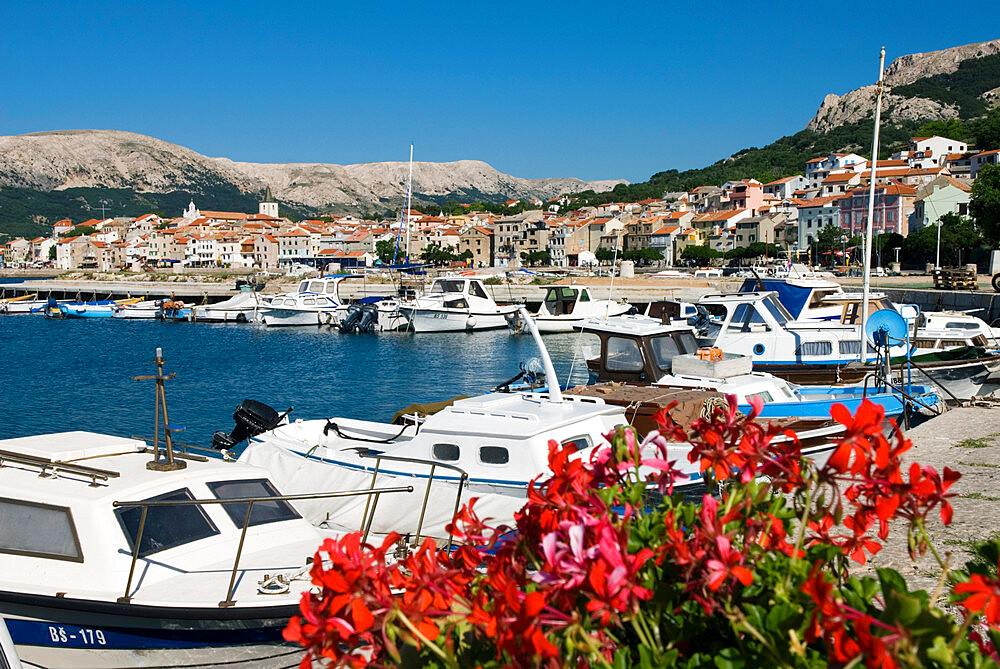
623	355
777	310
445	286
664	350
309	301
304	286
853	348
449	452
460	303
263	512
820	294
579	443
764	395
38	530
316	286
746	315
494	455
687	342
477	289
331	287
585	296
958	325
815	348
954	342
979	340
166	526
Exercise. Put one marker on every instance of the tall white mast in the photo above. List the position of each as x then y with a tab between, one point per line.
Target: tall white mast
863	348
406	212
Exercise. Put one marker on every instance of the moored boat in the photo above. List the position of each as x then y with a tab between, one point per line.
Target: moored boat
456	304
567	306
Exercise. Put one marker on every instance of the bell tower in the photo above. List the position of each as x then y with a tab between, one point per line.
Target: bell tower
268	207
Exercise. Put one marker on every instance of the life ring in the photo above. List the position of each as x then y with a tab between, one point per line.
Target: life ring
709	353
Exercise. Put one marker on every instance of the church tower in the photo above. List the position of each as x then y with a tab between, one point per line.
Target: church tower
268	207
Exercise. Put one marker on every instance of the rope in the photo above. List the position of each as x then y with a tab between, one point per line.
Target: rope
330	425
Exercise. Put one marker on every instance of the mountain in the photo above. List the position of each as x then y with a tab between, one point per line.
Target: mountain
83	169
960	85
935	85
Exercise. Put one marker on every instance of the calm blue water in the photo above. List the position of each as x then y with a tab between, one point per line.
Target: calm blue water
76	374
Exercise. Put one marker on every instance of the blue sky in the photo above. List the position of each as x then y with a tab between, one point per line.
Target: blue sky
584	89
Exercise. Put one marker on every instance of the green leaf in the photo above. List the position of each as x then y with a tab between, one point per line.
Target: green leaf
729	658
941	652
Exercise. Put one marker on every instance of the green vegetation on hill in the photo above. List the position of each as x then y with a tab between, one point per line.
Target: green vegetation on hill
961	87
782	158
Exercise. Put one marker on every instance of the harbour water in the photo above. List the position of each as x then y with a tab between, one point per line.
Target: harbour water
76	374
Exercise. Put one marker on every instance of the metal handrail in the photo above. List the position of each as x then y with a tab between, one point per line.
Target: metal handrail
58	466
249	501
366	521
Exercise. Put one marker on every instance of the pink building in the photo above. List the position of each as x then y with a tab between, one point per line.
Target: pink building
748	194
893	205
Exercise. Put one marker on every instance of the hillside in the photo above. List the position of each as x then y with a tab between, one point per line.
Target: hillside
962	83
71	173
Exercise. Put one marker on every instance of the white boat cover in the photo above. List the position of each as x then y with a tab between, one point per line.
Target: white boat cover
397	512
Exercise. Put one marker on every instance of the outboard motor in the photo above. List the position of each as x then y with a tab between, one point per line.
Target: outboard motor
351	320
700	322
252	418
369	318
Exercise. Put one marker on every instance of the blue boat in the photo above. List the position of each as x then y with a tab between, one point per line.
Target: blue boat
92	309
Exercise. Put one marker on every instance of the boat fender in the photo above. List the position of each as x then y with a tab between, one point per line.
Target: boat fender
273	585
470	322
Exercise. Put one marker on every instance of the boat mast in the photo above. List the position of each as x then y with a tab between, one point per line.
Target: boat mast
406	211
863	349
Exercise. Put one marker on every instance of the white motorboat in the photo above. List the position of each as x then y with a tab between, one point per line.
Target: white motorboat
315	302
241	308
567	306
147	309
456	304
25	304
108	562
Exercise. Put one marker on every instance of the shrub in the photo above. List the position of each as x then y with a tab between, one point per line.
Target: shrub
608	565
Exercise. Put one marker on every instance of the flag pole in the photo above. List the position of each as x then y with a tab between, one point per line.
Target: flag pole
863	348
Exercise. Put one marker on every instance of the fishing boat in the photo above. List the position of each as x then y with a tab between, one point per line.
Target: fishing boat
314	302
91	309
567	306
115	554
371	313
634	351
491	446
814	299
25	304
456	304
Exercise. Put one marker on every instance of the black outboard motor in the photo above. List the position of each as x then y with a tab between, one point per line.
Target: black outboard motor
700	322
369	318
351	320
252	418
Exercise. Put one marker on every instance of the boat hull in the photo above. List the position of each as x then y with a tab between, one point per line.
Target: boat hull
819	408
274	317
79	633
448	320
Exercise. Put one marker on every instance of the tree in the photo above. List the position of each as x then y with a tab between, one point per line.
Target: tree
52	252
701	255
536	257
952	129
987	131
385	250
985	203
828	239
437	254
604	255
80	230
883	245
959	237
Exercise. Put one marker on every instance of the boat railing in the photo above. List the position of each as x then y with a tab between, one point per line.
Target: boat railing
49	467
463	478
249	501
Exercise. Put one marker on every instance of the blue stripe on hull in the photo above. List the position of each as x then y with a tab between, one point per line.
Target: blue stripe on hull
40	633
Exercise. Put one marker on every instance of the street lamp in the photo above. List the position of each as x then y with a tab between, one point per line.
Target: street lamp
843	249
896	249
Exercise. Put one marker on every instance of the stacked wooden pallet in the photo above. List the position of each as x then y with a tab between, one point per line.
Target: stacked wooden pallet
955	278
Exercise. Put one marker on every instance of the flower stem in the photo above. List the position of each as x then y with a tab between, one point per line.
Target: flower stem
930	544
449	661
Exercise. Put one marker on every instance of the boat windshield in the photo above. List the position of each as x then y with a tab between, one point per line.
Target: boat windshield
560	300
263	512
447	286
304	286
665	347
166	526
777	310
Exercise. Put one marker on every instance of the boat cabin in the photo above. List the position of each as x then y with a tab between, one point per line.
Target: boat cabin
561	300
325	285
804	298
72	508
635	349
456	292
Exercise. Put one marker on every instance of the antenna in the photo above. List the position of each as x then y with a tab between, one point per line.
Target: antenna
879	90
168	464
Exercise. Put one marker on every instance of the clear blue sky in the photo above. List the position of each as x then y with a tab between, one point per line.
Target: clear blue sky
542	89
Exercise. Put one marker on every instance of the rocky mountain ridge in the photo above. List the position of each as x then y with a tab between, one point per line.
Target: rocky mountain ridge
856	105
58	160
